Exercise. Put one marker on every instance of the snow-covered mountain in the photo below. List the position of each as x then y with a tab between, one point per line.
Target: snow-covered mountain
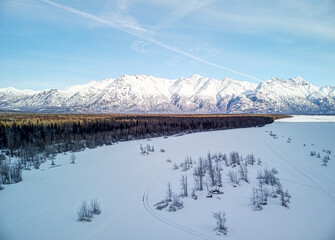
196	94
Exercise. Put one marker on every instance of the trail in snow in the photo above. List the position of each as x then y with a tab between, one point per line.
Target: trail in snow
146	204
145	174
127	184
299	168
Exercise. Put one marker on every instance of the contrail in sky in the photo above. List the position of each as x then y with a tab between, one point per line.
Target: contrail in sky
142	33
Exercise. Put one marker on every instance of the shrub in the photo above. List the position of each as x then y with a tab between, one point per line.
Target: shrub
95	207
84	213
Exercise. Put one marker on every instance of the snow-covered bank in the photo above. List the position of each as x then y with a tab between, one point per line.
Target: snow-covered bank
128	184
308	118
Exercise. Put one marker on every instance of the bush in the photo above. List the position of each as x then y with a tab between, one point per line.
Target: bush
95	207
10	172
86	212
176	204
232	176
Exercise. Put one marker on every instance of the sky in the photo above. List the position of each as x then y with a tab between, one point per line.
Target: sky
57	43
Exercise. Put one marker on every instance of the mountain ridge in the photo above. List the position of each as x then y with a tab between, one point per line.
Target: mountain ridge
196	94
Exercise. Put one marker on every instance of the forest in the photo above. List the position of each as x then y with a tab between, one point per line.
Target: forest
36	138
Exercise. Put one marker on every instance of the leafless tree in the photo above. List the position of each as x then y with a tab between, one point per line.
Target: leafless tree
73	158
232	176
143	150
194	195
256	200
211	170
243	173
169	192
250	158
95	207
199	173
220	218
84	213
183	183
218	174
234	158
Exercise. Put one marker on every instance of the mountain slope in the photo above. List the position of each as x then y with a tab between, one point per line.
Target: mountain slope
197	94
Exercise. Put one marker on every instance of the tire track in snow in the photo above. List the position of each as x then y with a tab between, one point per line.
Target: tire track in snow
104	227
297	169
146	204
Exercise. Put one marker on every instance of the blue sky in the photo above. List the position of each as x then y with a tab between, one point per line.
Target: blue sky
55	44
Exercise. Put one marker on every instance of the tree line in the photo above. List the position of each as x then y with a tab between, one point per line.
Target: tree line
35	138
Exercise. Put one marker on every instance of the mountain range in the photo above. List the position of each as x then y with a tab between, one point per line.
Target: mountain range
196	94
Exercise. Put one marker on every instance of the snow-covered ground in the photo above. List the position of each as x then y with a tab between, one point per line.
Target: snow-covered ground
128	184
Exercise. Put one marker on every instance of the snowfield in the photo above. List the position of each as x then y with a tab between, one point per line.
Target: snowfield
127	184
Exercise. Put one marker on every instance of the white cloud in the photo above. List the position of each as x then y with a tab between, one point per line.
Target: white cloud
143	47
120	24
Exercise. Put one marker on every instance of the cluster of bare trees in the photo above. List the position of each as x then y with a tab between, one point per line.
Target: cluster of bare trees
326	156
10	171
269	186
325	160
327	151
208	172
147	149
172	201
86	211
273	135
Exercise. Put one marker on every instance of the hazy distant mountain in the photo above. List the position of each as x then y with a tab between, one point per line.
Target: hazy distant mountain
197	94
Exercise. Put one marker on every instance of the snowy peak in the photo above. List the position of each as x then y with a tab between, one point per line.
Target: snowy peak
11	90
194	94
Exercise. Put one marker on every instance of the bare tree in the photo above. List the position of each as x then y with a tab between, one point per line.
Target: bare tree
259	162
73	158
199	173
325	160
95	207
143	150
183	183
243	173
84	213
234	158
220	218
225	159
211	170
194	196
256	200
232	176
250	159
176	204
169	192
218	175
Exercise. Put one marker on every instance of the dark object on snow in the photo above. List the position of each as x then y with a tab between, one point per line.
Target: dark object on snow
216	191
